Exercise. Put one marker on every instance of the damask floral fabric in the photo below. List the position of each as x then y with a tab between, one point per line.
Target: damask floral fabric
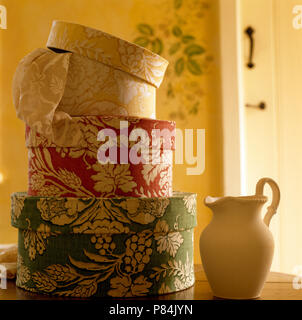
76	171
121	247
81	176
82	131
109	50
50	87
92	74
38	87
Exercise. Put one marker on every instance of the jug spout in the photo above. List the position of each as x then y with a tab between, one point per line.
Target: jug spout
210	201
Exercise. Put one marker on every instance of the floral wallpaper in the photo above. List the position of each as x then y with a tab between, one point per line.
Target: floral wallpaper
189	57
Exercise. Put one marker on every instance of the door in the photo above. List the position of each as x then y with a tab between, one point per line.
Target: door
273	136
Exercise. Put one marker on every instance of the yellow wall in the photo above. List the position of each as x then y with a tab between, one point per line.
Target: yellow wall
194	101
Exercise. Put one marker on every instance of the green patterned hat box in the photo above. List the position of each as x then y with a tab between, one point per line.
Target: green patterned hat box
101	247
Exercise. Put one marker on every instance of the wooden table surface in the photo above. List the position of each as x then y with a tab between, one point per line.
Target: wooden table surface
277	287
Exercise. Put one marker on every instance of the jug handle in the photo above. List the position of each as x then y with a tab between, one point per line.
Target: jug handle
271	210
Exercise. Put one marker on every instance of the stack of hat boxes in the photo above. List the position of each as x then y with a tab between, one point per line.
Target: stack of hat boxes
99	218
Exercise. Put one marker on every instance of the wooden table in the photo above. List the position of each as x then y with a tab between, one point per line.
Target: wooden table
278	287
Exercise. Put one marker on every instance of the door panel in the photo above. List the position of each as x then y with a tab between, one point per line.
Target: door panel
273	136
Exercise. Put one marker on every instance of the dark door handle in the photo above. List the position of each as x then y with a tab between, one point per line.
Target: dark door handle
261	105
250	31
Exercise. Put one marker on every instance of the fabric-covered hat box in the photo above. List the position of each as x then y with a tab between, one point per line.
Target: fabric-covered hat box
119	247
91	73
74	170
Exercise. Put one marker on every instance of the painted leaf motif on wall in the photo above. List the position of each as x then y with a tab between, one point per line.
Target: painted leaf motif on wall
141	41
187	38
145	29
194	67
177	31
157	46
194	49
179	66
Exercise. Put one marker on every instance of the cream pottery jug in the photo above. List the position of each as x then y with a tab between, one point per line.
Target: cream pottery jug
237	246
